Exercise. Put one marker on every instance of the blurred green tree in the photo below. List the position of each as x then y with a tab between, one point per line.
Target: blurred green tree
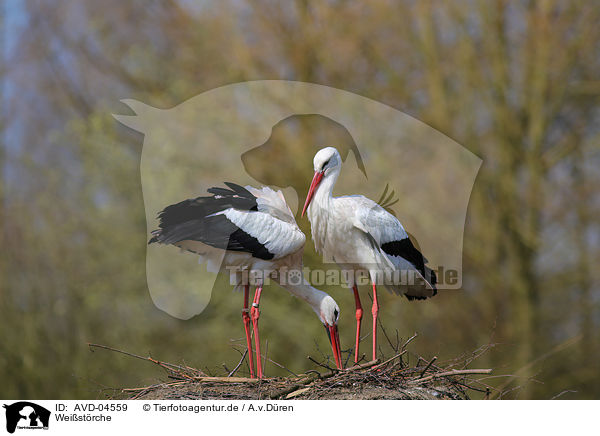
515	82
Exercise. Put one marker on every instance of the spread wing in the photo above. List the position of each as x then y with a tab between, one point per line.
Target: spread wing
254	221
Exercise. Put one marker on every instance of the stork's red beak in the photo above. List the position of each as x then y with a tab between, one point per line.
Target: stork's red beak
313	187
334	338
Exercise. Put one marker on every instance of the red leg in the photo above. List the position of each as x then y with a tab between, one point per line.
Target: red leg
374	311
359	314
255	314
246	318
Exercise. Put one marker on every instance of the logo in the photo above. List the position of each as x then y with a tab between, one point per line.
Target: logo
267	132
26	415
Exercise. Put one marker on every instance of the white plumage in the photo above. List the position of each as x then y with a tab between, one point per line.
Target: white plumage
242	230
359	234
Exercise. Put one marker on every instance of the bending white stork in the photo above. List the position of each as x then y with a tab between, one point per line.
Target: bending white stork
358	233
251	230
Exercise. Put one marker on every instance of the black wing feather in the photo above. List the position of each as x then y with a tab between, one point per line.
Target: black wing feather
194	220
405	249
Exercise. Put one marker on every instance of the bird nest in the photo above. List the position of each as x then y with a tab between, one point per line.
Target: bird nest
393	378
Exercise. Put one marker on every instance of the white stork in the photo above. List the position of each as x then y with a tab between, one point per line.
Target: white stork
250	230
358	233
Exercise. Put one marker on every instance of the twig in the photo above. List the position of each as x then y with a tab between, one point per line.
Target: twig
362	357
282	367
363	365
106	347
544	356
264	363
348	357
383	328
409	341
154	386
140	393
272	361
168	366
322	365
295	386
451	373
504	393
428	366
285	391
239	364
386	335
562	393
389	360
227	379
296	393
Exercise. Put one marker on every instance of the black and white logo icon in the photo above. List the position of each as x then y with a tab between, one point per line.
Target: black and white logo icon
26	415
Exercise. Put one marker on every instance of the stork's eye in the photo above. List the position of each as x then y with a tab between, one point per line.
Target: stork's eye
326	162
335	313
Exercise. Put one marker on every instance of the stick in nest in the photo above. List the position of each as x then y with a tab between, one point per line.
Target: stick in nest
389	360
322	365
239	364
176	369
428	366
409	341
451	373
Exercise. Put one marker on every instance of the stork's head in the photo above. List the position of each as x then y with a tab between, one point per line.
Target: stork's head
329	312
326	160
327	164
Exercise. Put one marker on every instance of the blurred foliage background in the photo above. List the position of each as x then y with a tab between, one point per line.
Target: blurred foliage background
517	83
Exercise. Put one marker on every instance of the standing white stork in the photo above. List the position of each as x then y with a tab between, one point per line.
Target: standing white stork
251	230
358	233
